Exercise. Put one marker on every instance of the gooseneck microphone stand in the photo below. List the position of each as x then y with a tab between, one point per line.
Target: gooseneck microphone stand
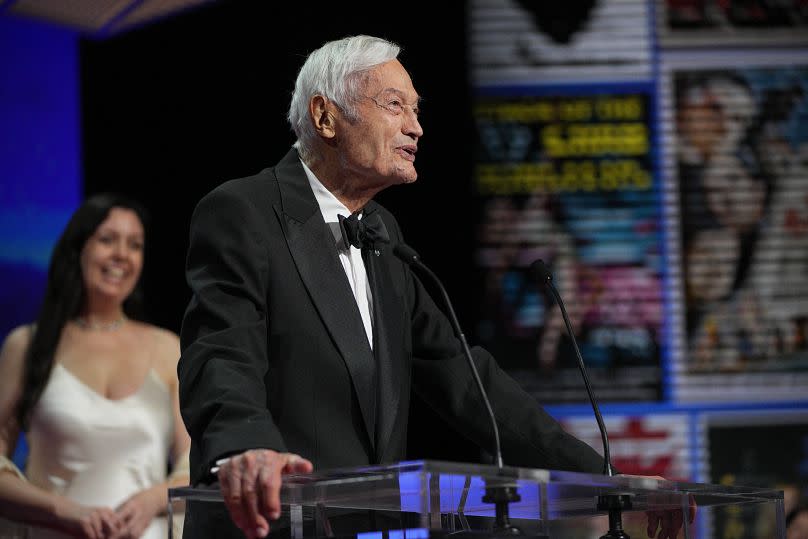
614	503
499	495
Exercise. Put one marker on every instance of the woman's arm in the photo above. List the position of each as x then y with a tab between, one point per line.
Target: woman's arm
180	474
21	501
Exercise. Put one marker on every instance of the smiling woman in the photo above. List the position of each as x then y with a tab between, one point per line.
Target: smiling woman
95	391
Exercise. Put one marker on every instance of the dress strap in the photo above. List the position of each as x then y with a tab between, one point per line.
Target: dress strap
7	465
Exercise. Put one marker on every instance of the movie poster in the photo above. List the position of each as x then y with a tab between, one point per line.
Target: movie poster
704	23
654	444
740	169
767	449
569	177
528	42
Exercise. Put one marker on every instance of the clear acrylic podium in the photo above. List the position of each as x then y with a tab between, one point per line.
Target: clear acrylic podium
423	499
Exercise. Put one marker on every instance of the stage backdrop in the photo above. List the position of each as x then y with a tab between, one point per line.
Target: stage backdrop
652	153
40	161
655	156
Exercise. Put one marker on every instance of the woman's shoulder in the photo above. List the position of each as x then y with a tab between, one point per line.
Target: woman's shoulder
12	358
17	341
156	333
165	347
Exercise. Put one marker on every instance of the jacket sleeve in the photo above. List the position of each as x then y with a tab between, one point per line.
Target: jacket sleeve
224	333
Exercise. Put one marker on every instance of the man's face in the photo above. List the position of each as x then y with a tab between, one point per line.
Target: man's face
380	145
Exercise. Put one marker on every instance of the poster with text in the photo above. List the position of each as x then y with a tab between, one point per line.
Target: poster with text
568	177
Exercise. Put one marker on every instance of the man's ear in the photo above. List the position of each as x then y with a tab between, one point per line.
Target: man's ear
322	114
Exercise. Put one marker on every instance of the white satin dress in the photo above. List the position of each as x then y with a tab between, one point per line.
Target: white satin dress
99	451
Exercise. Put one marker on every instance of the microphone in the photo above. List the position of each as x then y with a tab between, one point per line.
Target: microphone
501	495
408	255
617	502
541	272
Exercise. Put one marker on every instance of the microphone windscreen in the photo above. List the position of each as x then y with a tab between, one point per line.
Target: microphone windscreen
406	253
540	271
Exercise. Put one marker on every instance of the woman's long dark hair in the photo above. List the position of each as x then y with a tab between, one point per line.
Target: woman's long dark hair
65	294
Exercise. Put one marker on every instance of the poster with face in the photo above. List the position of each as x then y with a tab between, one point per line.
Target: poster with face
738	172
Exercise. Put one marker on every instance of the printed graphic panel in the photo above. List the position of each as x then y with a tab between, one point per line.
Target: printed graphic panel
568	176
767	449
739	174
524	41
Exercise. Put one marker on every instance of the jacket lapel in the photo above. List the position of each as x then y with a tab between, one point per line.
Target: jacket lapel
390	348
314	251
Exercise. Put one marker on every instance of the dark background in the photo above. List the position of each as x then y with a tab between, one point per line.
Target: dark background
171	110
174	109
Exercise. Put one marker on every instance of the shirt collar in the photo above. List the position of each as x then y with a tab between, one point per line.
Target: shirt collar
330	206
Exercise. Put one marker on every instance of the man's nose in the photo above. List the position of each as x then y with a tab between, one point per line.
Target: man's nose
412	127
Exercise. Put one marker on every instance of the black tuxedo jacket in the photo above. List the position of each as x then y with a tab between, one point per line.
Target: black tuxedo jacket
274	353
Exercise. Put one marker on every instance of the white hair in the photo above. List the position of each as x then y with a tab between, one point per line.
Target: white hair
335	71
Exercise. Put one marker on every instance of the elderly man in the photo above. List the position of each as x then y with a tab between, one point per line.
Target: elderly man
302	346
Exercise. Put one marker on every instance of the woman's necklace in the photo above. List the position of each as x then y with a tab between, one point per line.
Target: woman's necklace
83	323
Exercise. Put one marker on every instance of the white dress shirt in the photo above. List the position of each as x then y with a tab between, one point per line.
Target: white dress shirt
351	257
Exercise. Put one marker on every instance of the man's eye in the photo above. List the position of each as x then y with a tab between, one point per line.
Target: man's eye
394	106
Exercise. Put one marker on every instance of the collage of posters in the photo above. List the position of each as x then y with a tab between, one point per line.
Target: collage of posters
654	155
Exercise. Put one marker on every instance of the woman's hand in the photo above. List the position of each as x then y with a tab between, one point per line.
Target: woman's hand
138	512
85	522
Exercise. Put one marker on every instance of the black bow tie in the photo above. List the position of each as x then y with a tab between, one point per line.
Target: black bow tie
366	233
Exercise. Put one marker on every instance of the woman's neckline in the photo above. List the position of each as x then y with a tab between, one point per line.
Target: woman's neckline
151	373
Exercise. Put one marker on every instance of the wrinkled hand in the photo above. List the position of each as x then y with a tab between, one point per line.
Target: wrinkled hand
137	512
669	521
251	485
86	522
